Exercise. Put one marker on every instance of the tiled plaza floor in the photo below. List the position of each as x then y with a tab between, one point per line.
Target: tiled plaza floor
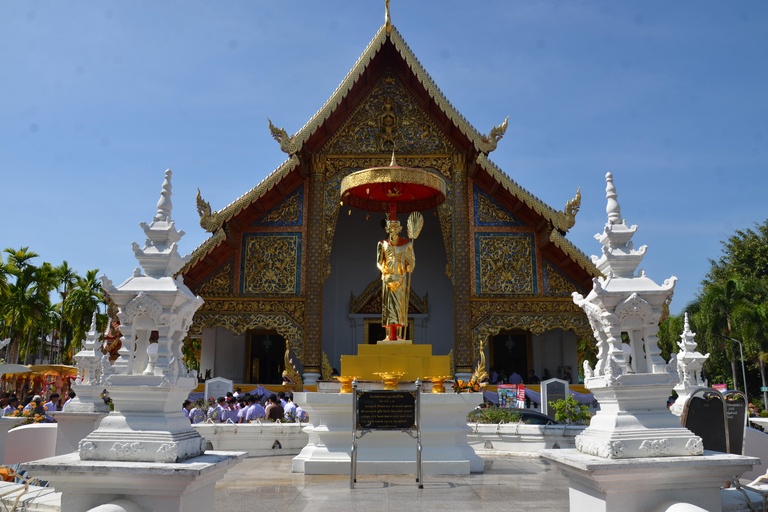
509	484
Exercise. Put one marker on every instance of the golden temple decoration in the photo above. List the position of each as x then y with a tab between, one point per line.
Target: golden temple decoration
481	309
579	257
287	144
488	212
208	221
241	305
480	375
452	370
286	213
506	264
291	377
571	209
239	323
219	284
327	371
387	19
388	119
557	285
390	379
491	140
271	264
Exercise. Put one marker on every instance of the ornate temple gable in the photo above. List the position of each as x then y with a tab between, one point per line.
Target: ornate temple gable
219	283
289	212
505	265
369	301
557	283
271	264
488	211
388	119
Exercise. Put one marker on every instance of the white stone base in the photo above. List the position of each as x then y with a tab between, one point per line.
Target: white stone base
257	439
188	486
520	439
633	420
73	427
444	438
639	485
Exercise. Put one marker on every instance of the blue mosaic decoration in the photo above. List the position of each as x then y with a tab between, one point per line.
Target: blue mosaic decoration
505	264
288	212
271	264
488	211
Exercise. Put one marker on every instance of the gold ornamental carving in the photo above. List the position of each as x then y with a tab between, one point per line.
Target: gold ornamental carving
288	144
369	301
219	284
240	305
287	327
209	220
271	264
488	212
388	119
557	285
483	308
286	213
506	264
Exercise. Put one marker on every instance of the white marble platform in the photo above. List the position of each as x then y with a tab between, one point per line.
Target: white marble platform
444	438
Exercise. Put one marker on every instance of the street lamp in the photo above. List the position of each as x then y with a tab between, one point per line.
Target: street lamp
743	372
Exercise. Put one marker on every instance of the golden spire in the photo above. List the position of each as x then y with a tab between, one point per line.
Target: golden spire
387	19
393	163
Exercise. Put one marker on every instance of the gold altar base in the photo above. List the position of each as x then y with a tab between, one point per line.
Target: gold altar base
414	361
394	342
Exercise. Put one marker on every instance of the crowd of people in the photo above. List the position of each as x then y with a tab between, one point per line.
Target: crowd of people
34	403
238	407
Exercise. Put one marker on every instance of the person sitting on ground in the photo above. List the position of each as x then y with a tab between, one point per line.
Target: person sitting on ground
13	403
255	410
274	411
53	403
70	396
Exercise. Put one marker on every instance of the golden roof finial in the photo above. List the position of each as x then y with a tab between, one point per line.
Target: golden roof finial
387	19
393	163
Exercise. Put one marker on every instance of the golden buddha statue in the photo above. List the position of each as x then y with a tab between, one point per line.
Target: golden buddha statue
396	260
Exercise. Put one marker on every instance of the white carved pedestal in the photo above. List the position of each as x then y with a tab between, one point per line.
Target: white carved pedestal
188	486
73	427
443	433
646	484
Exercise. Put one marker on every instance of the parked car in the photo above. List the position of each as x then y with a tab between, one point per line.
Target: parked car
534	417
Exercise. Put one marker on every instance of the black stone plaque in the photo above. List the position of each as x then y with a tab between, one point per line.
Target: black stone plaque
386	410
704	417
554	391
736	414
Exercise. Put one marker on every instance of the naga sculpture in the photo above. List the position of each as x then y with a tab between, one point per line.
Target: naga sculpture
571	209
209	221
291	378
287	143
491	140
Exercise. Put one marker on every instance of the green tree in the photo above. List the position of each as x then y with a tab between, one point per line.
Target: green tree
18	303
745	254
78	307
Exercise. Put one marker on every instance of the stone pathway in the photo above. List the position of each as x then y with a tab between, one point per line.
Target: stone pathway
509	484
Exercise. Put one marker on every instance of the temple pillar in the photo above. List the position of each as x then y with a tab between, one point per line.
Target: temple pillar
463	356
313	306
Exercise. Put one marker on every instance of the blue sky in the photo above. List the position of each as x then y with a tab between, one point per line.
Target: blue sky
99	98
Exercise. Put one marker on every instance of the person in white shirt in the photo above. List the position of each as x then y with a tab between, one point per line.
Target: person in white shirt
290	409
186	406
218	412
13	403
281	396
236	393
53	403
255	410
243	412
70	395
197	414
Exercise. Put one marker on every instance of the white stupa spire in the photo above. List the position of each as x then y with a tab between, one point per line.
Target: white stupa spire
613	209
164	205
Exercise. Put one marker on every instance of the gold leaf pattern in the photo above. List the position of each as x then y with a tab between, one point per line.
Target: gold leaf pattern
271	264
505	264
287	213
219	284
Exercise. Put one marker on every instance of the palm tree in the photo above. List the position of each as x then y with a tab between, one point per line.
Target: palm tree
67	279
19	295
81	302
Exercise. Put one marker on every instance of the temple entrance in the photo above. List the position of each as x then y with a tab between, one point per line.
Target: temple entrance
264	357
510	350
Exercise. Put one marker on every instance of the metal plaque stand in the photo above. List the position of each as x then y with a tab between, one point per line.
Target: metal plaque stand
415	433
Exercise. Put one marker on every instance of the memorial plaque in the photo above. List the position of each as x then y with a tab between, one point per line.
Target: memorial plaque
552	390
214	388
704	415
386	410
736	414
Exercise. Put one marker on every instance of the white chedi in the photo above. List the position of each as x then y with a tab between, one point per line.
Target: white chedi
90	379
688	363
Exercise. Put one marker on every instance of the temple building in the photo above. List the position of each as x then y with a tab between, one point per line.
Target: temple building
286	264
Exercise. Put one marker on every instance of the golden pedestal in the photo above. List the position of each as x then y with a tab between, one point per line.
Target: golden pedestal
414	361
